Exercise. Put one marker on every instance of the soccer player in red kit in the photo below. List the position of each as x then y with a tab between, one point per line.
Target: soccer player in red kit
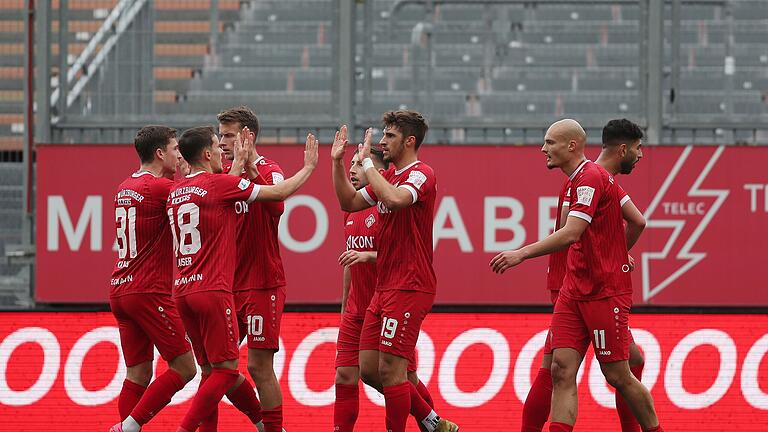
140	294
621	151
201	211
404	197
259	285
596	295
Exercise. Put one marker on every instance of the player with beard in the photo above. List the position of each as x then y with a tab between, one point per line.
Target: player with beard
596	293
405	198
620	153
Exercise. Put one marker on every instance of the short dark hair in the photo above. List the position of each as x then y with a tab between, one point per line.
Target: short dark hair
194	141
619	131
150	138
409	123
242	115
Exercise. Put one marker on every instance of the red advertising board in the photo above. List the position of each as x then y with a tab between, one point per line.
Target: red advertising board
705	372
707	212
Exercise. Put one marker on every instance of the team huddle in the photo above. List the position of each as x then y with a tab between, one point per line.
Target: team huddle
210	204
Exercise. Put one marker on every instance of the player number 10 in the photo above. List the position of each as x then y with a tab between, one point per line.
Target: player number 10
388	327
599	339
255	325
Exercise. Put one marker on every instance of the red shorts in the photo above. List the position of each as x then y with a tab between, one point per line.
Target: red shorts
548	343
209	319
604	323
348	343
259	313
393	320
146	320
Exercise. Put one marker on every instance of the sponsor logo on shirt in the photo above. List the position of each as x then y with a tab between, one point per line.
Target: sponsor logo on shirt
584	195
350	222
416	178
243	184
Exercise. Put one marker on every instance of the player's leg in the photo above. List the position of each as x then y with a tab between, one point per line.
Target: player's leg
161	322
413	377
636	364
346	406
217	327
138	355
538	403
263	343
369	345
611	341
570	342
402	315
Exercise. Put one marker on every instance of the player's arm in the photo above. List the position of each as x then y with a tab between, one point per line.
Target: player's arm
635	222
280	192
560	239
393	197
345	284
350	200
268	175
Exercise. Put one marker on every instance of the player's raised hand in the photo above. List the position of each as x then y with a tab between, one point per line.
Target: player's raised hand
245	134
310	152
240	148
506	260
339	144
365	147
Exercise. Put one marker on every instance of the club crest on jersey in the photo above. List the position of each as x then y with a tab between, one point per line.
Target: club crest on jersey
584	195
243	184
369	221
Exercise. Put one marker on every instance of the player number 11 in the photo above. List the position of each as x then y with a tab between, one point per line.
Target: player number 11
599	339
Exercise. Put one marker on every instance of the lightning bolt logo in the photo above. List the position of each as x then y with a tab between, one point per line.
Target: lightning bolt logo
685	254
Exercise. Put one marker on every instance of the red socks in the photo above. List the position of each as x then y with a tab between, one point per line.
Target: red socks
130	395
627	419
424	393
157	396
273	419
244	399
346	408
208	396
538	402
398	405
560	427
210	423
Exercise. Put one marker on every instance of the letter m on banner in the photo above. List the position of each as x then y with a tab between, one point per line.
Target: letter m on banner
59	219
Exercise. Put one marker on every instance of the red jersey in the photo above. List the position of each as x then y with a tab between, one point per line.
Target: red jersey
259	265
597	266
144	245
201	210
404	259
557	259
360	229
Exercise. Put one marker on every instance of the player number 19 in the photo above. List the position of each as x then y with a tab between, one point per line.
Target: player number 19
388	327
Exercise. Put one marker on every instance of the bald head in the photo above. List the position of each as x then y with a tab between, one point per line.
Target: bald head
569	130
564	144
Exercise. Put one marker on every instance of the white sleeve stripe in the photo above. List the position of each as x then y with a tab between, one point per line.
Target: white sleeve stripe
254	193
413	192
566	203
580	215
367	197
625	200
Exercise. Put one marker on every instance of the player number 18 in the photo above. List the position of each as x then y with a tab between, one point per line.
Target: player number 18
188	240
